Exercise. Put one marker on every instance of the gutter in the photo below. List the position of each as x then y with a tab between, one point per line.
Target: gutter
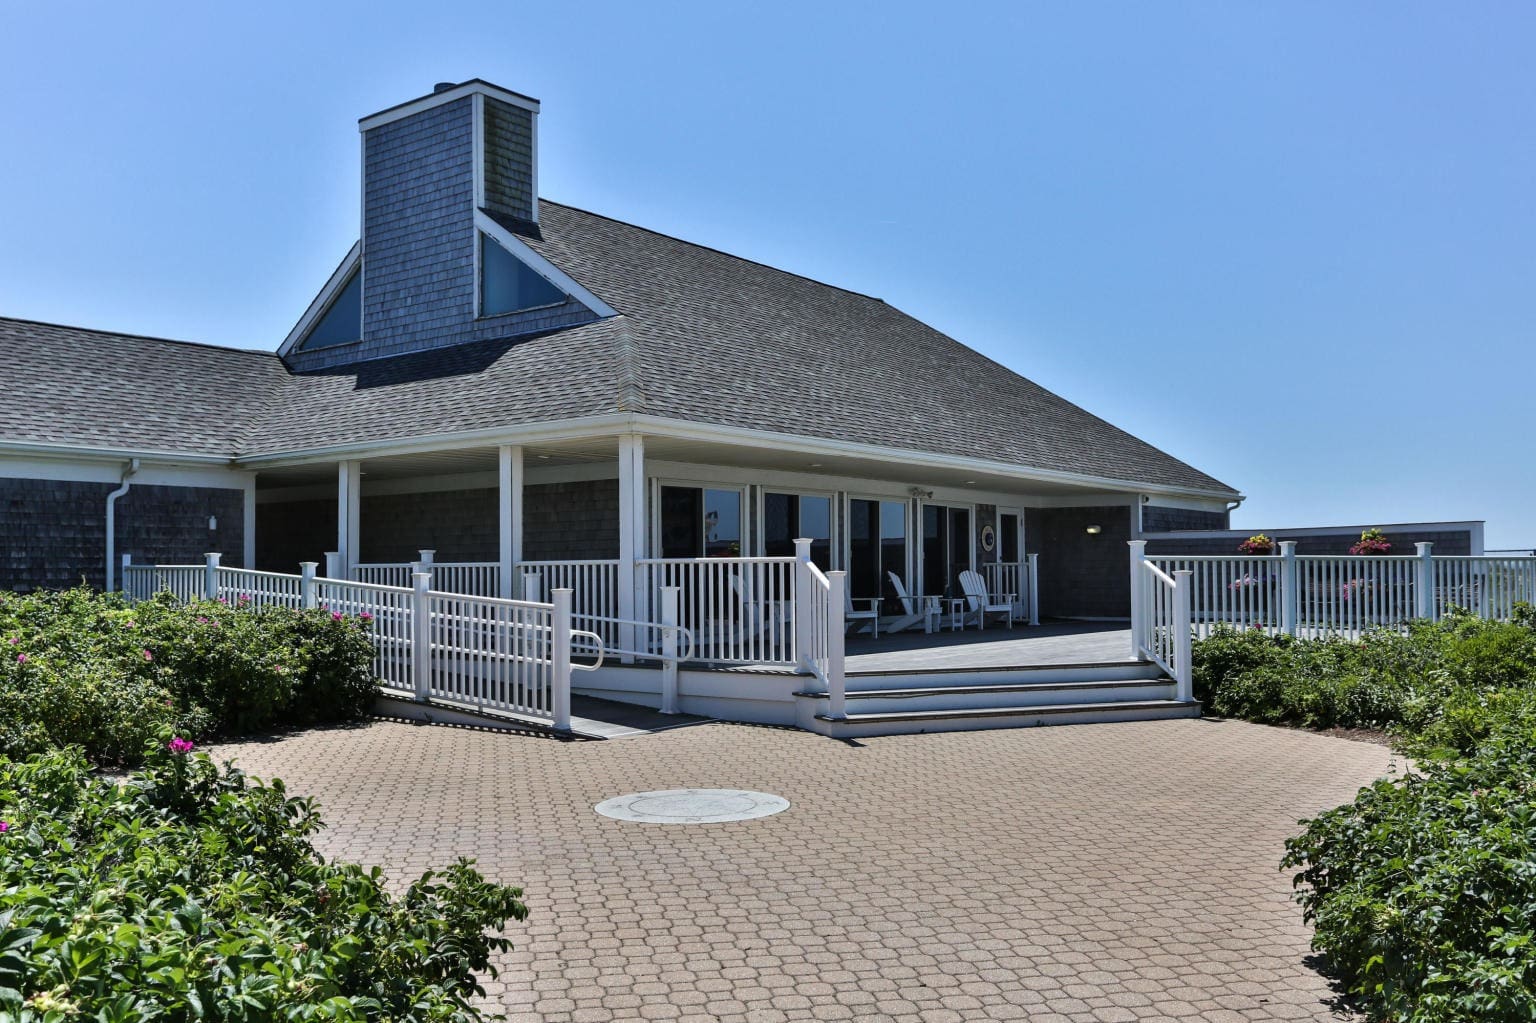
132	467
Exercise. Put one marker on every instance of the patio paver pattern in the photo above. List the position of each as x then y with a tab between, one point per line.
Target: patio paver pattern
1083	873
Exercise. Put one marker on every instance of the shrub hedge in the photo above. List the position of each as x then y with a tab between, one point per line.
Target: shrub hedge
186	892
1423	889
90	670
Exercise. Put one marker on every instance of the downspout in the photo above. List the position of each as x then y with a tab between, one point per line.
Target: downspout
133	467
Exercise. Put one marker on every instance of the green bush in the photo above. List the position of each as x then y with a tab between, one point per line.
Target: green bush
86	669
185	892
1404	681
1423	890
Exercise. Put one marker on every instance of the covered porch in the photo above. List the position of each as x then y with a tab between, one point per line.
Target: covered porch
616	517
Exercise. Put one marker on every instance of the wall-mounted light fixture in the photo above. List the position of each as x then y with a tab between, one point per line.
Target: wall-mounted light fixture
1093	530
213	523
920	493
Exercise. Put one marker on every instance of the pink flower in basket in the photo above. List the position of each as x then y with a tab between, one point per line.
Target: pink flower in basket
1372	541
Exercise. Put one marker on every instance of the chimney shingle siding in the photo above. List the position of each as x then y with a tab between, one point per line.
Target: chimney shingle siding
509	160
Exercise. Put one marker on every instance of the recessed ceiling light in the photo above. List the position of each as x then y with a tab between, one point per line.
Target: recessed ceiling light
970	481
545	457
815	465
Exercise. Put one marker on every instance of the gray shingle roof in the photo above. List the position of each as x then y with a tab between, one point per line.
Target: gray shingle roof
703	336
91	388
724	340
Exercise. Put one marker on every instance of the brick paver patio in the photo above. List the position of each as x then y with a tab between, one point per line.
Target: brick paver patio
1083	873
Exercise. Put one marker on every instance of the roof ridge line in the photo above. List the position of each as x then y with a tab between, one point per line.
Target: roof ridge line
711	248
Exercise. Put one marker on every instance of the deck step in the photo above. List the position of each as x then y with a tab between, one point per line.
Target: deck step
859	725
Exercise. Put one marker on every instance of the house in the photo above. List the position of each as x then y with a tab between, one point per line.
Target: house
505	379
534	396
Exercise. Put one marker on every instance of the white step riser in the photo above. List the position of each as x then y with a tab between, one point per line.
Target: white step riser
1034	697
860	730
1129	671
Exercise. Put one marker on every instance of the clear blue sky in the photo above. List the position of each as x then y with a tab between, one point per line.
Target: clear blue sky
1293	244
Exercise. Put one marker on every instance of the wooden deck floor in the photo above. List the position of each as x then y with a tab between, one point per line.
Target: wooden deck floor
998	647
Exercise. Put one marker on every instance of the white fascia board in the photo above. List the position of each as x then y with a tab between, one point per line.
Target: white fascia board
87	455
591	427
834	448
1186	503
322	302
111	471
543	267
437	99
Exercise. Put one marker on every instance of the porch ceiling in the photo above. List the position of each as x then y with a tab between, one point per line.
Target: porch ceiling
841	467
442	463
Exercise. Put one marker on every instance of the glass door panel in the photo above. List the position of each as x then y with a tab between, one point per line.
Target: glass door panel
789	517
722	524
681	515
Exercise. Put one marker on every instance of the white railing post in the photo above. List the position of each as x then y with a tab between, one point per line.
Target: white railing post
533	587
1138	596
211	576
426	560
669	595
122	576
333	566
421	636
560	660
1424	586
836	606
805	618
307	584
1033	581
1183	645
1289	590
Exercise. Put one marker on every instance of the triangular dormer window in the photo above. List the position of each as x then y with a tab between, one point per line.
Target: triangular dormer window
342	322
508	285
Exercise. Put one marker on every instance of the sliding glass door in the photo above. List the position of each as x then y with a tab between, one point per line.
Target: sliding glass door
789	517
698	522
877	547
946	548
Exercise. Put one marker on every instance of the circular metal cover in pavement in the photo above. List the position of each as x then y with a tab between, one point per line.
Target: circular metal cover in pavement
691	806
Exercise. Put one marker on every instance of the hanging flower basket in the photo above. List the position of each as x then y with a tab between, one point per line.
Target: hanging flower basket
1372	541
1258	545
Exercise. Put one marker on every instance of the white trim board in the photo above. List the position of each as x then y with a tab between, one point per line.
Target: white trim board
541	266
1470	525
604	426
322	302
474	86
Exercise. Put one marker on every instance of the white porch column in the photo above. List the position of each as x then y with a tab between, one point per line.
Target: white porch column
509	460
632	538
248	553
1138	595
348	514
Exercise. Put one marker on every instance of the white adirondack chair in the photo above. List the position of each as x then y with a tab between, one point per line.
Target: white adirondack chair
853	618
911	613
979	603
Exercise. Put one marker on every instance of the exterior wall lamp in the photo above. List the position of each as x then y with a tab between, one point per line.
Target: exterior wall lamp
1094	530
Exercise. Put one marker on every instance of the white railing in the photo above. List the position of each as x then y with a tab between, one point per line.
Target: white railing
740	610
492	654
1321	595
260	589
500	655
1160	622
594	587
184	582
1021	578
1488	587
478	578
820	627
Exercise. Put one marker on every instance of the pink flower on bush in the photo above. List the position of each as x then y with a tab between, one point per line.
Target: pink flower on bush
14	641
365	616
21	658
180	746
244	599
337	616
5	826
148	656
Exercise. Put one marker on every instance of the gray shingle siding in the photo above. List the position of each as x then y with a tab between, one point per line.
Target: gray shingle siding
1082	575
54	531
1164	520
508	159
419	237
